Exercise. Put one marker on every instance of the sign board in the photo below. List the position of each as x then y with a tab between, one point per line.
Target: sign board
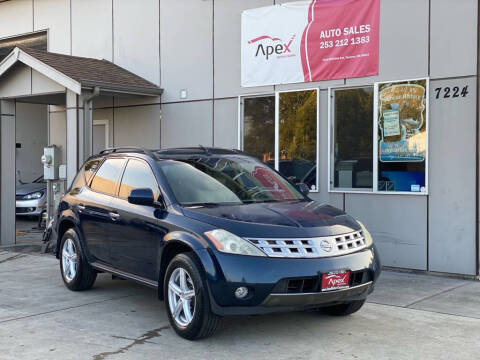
310	41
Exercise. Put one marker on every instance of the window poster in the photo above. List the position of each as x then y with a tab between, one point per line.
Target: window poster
402	135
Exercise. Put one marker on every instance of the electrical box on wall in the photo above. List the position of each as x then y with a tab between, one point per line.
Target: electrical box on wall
50	160
62	172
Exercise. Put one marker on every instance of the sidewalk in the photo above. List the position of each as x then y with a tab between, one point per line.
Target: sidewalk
409	316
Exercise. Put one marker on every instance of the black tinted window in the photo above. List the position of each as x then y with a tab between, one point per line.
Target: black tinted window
138	175
107	176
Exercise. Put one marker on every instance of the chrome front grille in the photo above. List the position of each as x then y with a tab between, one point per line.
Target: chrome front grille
311	247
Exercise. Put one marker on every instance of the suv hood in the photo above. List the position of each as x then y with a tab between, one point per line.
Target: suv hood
282	219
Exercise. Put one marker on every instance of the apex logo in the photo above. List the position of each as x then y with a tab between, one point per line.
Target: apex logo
267	51
334	280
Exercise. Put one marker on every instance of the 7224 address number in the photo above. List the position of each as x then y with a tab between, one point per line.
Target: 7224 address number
448	92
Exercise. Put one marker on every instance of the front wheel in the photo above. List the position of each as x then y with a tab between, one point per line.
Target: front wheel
343	309
76	272
187	300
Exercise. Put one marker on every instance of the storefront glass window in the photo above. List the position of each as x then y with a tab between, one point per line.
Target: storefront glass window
259	127
402	136
352	138
298	136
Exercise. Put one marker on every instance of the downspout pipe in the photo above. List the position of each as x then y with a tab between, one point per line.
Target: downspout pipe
88	120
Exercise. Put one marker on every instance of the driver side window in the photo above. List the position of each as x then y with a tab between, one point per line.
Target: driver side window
138	175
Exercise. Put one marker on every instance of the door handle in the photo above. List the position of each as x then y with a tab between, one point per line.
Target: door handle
114	215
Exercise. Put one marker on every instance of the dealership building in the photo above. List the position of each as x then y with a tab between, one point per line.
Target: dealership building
392	141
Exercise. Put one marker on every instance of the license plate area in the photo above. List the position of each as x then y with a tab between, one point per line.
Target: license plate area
336	280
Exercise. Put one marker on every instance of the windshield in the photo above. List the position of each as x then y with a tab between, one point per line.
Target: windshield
226	180
39	180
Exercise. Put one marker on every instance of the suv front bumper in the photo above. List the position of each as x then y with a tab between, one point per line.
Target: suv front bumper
265	278
318	298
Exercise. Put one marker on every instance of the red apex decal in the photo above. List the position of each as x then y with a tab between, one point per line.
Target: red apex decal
334	281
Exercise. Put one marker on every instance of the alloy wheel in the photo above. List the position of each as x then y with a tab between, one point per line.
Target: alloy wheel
181	297
69	260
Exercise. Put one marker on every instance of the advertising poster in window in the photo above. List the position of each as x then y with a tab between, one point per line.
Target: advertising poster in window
307	41
402	135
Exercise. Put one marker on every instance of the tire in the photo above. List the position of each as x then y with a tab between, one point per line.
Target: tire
343	309
202	322
71	250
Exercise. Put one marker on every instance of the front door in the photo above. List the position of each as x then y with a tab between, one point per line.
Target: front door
136	232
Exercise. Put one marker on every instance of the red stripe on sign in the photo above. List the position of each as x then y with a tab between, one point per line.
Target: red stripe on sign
264	37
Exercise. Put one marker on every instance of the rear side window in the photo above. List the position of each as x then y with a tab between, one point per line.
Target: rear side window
107	176
138	175
84	175
90	168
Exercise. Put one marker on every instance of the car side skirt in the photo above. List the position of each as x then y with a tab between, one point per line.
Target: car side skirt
123	274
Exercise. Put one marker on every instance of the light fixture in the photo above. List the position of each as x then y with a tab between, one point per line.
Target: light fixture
241	292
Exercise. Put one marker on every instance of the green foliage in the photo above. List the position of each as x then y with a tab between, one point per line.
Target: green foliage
298	124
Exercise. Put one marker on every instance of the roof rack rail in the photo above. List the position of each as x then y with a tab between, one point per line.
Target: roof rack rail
125	149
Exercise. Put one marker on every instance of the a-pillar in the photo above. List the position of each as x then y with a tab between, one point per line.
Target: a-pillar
7	172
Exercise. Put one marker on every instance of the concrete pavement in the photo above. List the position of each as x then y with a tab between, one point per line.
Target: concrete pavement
27	231
409	316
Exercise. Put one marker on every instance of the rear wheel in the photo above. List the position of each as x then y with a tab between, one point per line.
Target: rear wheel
77	274
187	300
343	309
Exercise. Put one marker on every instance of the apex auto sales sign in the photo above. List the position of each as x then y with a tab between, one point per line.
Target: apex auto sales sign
310	41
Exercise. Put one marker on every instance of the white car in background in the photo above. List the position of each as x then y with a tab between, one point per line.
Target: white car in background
31	198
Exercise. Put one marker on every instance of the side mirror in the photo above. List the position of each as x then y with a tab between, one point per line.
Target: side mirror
142	196
303	188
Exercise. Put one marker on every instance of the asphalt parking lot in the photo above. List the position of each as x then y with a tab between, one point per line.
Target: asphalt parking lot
409	316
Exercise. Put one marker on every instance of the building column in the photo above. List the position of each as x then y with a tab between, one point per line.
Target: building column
75	135
87	121
7	171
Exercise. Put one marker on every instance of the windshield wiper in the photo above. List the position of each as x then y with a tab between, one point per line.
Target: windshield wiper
259	201
210	204
269	201
206	204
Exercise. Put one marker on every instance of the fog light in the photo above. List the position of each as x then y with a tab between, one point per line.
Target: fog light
241	292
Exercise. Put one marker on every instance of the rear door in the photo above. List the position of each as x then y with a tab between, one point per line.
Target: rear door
136	234
94	208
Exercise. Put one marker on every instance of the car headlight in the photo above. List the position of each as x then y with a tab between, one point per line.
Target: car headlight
227	242
366	234
33	196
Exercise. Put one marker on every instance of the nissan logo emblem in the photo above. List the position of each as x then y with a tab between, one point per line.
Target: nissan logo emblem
326	246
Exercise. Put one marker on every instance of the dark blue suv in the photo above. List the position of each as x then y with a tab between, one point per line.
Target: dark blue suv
216	231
